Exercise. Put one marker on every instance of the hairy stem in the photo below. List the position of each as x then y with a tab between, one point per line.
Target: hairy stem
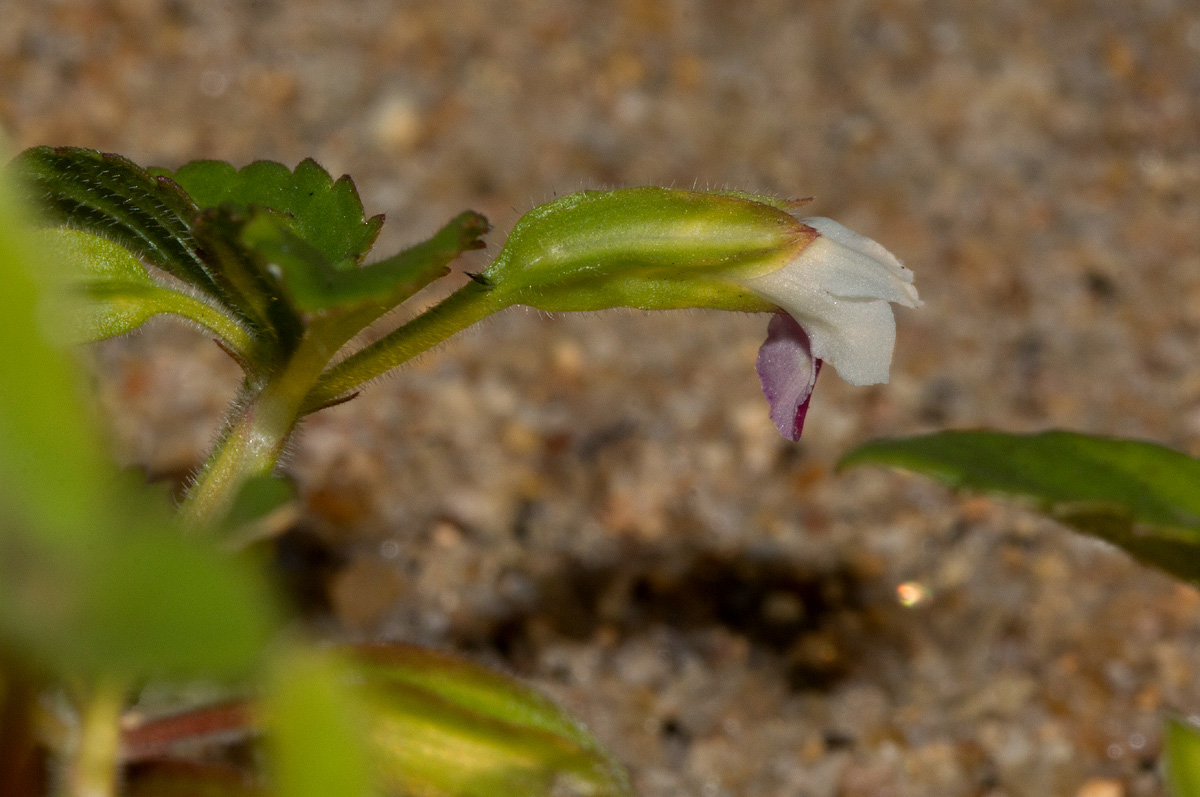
469	304
255	435
233	334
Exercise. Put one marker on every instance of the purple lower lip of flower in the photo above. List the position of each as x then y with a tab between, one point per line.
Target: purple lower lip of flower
787	371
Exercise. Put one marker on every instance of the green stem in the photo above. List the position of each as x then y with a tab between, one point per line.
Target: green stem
469	304
95	766
256	435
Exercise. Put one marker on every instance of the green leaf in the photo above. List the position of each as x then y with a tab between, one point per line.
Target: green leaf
389	282
267	248
328	214
1182	751
110	196
315	729
424	723
246	277
106	291
1138	495
444	727
95	575
315	285
283	282
129	594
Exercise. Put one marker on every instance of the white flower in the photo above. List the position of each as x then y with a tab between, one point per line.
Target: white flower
837	289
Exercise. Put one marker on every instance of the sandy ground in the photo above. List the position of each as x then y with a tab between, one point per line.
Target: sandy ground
599	503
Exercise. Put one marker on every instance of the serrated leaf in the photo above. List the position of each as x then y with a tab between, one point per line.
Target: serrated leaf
444	727
315	285
265	246
106	291
1182	750
1140	496
328	214
111	196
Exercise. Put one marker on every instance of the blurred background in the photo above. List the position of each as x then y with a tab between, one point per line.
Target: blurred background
600	503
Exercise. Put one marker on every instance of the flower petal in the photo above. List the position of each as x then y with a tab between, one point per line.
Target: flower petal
838	288
788	372
853	266
855	335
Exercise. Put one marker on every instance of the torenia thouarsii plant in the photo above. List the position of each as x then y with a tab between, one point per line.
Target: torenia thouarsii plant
272	262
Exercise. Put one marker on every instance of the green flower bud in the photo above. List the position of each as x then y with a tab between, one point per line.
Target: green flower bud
444	727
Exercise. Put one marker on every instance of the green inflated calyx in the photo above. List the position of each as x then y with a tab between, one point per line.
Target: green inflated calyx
646	248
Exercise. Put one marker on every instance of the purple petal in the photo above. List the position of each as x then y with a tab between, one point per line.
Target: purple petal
788	372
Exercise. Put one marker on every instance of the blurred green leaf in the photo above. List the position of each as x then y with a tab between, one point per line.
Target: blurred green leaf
51	464
111	196
424	722
131	595
160	603
1182	750
1140	496
107	291
444	727
327	214
95	575
316	732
